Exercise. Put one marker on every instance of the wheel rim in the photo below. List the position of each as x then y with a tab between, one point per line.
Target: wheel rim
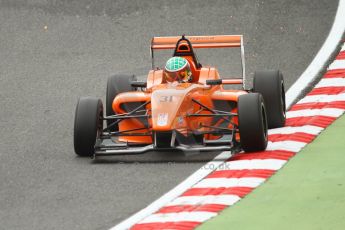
283	99
264	120
99	123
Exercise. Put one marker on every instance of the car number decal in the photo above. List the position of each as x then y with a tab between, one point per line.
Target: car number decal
166	99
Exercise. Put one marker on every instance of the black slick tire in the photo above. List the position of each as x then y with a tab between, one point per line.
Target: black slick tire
252	122
88	125
271	86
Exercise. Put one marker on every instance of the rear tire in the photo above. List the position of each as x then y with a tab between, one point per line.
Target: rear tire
252	122
117	84
271	86
88	125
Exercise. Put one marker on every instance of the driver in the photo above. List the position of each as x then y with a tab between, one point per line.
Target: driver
177	69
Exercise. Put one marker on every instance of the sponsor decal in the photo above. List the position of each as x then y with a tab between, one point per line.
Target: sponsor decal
180	120
162	119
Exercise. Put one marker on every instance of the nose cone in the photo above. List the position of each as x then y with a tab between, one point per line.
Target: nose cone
165	106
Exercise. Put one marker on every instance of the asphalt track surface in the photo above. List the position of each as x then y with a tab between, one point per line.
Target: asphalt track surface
52	52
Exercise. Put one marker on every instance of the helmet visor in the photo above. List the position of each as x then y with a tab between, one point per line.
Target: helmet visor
182	75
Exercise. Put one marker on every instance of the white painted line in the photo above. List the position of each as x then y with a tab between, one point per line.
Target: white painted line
178	217
208	199
323	98
320	60
175	192
329	112
292	146
330	82
309	129
269	164
337	64
250	182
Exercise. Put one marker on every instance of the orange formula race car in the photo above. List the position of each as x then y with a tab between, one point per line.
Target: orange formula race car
182	106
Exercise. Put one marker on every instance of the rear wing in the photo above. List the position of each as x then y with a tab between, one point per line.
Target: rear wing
199	42
215	41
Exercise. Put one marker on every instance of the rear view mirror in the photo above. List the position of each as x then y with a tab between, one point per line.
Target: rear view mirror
139	84
214	82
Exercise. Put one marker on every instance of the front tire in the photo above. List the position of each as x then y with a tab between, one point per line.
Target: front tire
88	125
271	86
252	122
